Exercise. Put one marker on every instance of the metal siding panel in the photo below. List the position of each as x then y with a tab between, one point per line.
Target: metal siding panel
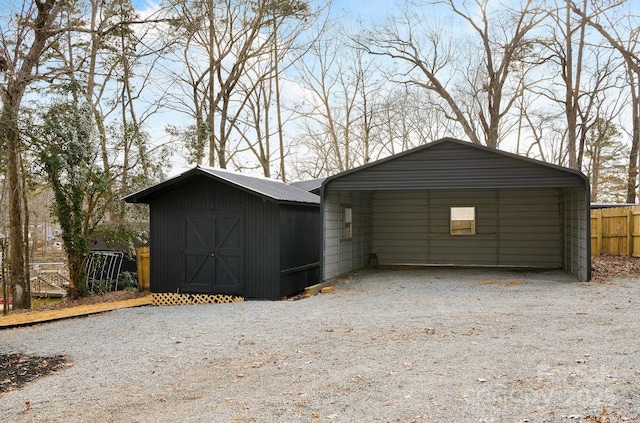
454	166
463	250
344	256
577	232
345	250
400	224
330	236
478	249
357	260
529	228
512	229
366	227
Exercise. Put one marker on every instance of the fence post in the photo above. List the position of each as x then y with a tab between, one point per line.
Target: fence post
630	232
598	251
143	264
635	234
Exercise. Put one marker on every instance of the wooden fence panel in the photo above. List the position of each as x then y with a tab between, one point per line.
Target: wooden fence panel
616	231
635	234
144	267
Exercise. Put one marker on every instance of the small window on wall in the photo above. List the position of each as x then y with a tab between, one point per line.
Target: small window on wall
463	220
347	220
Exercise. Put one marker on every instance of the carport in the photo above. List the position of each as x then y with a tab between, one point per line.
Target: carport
453	203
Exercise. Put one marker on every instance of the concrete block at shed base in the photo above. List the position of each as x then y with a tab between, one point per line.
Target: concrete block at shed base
327	290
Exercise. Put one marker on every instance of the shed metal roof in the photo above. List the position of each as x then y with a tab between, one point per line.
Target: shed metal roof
272	190
455	164
309	185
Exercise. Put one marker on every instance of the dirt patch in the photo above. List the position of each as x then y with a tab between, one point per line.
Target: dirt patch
606	268
16	370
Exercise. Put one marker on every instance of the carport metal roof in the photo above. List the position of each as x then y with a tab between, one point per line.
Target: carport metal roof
454	164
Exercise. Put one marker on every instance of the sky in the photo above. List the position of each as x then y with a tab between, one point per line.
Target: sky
357	8
344	9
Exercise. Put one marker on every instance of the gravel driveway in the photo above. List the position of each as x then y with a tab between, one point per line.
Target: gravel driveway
434	345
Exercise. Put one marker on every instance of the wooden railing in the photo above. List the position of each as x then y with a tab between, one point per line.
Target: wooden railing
615	231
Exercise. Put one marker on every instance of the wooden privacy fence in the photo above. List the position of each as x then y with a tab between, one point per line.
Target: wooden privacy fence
616	231
142	260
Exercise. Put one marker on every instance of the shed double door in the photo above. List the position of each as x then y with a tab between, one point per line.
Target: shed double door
213	253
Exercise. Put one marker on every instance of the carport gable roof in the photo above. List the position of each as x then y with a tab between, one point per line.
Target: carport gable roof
270	190
454	164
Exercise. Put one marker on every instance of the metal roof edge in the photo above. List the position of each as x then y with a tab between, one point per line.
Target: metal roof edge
459	142
216	174
137	197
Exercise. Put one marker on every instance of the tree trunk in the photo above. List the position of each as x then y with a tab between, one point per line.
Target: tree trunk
27	248
211	87
632	180
18	285
595	172
12	94
283	175
222	128
569	103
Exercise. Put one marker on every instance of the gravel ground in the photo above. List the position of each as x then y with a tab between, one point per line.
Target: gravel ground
434	345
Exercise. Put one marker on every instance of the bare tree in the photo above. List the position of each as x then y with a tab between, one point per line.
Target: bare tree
621	31
24	38
571	66
222	40
604	167
576	73
430	58
49	47
336	81
407	117
261	124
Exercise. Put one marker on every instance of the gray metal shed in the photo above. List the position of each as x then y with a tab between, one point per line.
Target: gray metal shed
451	202
218	232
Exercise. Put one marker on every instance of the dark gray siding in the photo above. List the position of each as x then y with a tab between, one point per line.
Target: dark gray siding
261	229
530	227
454	165
342	256
513	228
400	221
577	243
300	232
478	249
